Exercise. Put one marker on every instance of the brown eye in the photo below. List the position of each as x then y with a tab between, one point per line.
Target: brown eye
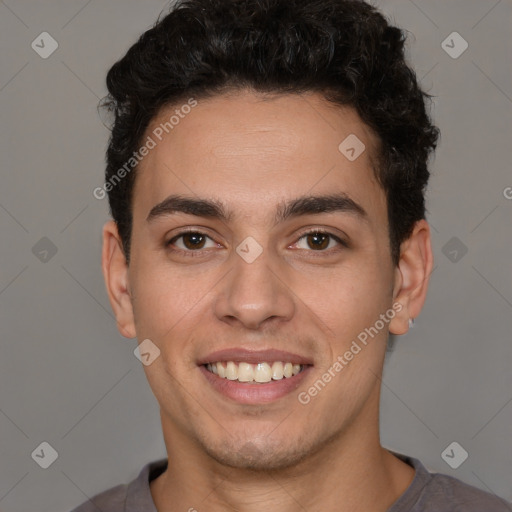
191	241
319	241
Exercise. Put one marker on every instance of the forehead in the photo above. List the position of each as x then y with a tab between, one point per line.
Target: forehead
254	151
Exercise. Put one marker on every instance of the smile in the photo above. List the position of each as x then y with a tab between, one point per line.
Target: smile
254	376
259	373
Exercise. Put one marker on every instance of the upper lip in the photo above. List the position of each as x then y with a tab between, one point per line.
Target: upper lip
241	355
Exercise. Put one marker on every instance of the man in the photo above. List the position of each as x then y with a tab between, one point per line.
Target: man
266	174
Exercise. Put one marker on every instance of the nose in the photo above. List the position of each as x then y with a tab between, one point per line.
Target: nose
254	294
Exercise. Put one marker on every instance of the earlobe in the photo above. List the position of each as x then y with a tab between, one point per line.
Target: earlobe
115	273
411	277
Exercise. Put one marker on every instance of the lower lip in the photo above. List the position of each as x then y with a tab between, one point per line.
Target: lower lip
255	393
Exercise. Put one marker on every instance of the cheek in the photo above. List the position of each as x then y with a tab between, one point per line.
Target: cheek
168	310
351	298
166	301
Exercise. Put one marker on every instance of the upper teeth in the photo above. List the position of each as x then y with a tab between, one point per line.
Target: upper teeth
261	372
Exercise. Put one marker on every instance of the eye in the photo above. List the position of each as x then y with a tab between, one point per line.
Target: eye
319	240
191	241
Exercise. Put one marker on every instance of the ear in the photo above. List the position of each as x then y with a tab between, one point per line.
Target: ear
115	273
411	277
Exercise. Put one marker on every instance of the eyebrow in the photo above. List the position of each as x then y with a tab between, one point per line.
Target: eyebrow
214	209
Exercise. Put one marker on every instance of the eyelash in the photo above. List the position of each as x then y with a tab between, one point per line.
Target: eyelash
200	252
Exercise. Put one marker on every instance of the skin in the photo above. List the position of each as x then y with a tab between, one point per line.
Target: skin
252	153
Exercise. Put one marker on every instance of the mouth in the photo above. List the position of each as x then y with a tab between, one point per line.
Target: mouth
254	377
259	373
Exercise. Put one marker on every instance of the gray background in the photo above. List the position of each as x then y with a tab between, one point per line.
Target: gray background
68	378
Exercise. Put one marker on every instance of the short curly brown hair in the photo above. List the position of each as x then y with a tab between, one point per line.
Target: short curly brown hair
343	49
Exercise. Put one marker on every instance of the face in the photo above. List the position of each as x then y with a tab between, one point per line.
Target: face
276	252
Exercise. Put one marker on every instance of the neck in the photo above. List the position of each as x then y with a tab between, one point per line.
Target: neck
350	472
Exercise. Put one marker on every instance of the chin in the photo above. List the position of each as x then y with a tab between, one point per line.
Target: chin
258	455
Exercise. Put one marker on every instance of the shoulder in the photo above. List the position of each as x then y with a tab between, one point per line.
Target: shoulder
111	500
462	497
437	492
132	497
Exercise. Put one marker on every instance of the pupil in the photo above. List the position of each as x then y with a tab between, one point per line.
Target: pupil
194	240
198	239
318	236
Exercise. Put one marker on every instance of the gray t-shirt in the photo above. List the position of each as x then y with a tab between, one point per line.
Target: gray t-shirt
428	492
